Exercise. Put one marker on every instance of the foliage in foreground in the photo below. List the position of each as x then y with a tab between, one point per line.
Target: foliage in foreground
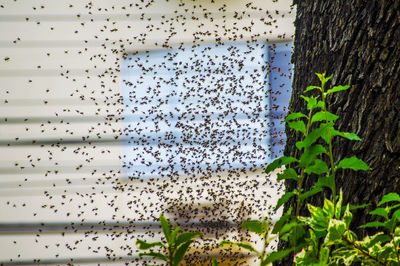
324	237
263	229
176	247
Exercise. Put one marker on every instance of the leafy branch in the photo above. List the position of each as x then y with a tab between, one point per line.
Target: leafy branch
177	244
316	127
263	229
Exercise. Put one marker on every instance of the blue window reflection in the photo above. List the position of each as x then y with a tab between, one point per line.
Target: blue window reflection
204	108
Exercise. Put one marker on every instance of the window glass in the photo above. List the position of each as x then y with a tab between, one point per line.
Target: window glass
280	87
204	108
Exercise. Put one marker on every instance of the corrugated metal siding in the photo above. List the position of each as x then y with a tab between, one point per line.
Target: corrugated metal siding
60	128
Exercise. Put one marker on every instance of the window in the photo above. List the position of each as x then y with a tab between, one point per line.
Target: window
204	108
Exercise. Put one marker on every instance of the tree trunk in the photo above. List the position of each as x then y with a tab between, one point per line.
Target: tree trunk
359	43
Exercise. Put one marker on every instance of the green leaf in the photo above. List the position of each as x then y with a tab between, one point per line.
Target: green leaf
307	99
346	255
165	227
284	160
319	220
276	255
328	181
397	231
336	229
328	208
339	205
285	197
322	116
355	207
324	256
347	216
381	212
239	244
297	125
310	153
320	104
282	220
173	235
309	88
372	224
313	238
389	197
396	215
312	137
253	226
351	236
338	88
347	135
350	136
377	238
294	116
288	173
391	224
143	245
309	193
288	227
180	252
186	236
322	77
316	212
386	251
327	129
154	255
299	145
214	262
353	163
318	167
391	207
311	102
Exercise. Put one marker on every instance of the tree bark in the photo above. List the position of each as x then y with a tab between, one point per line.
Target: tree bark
359	43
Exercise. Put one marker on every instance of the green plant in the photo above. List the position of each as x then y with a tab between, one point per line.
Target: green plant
324	237
262	228
176	244
341	245
379	249
214	262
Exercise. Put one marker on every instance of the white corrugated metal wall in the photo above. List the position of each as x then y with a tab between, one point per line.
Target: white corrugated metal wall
61	108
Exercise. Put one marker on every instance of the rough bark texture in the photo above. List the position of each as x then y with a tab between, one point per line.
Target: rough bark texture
359	43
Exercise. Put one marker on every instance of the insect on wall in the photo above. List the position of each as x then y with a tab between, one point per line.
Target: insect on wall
116	112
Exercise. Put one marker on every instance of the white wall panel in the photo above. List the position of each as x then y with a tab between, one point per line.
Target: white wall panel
60	62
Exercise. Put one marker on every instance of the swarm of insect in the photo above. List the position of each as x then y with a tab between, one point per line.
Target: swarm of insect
115	112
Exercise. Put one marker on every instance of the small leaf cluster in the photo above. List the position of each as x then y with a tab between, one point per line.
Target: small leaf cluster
263	229
341	246
383	248
176	247
329	223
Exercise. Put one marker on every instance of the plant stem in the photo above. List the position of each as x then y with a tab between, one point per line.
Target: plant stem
300	184
332	168
171	259
266	236
354	245
396	247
